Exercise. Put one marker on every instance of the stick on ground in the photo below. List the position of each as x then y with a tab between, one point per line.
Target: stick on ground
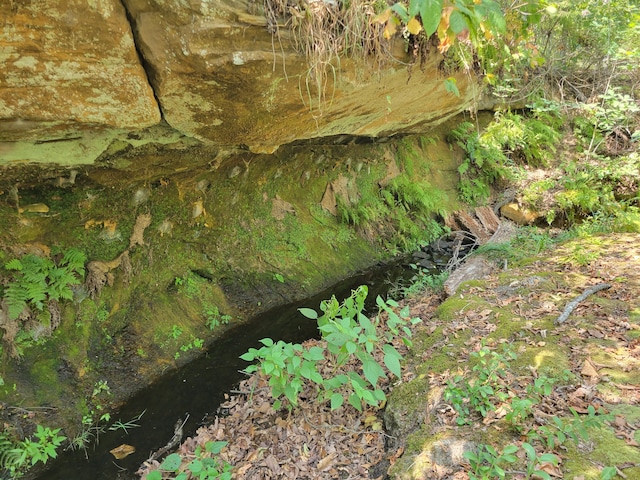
571	306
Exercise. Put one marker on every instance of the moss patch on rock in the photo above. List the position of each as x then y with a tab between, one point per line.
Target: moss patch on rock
179	239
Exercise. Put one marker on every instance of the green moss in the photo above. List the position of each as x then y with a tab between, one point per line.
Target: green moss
607	451
235	238
456	305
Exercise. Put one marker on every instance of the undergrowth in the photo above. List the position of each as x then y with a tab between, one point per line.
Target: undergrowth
330	372
492	391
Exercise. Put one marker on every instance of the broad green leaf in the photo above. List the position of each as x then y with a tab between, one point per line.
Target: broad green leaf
414	7
171	463
393	364
509	449
195	466
549	458
531	452
215	447
354	400
309	313
314	354
430	13
401	11
336	401
155	475
267	342
372	371
457	22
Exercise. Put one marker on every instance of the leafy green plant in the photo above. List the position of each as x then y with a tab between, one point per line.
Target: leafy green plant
479	394
213	316
205	465
18	457
38	280
558	430
286	365
185	347
422	281
508	140
487	464
474	19
175	333
10	455
485	163
188	285
48	441
534	461
350	335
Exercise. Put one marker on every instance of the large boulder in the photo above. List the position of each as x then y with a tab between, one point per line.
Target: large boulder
73	87
222	77
69	67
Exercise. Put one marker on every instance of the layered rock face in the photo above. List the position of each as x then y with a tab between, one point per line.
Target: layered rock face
71	73
69	65
222	77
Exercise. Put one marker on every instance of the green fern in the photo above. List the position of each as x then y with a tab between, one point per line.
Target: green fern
38	280
11	457
14	264
74	261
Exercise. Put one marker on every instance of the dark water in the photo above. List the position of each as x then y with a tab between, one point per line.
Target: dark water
197	389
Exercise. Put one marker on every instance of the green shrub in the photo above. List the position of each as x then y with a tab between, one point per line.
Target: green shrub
205	466
18	457
349	335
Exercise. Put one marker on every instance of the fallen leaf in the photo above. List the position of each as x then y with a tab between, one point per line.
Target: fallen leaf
326	462
551	469
589	369
122	451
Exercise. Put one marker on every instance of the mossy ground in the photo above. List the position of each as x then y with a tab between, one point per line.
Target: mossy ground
518	307
241	235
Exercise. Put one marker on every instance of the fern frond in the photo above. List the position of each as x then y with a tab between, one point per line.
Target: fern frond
11	457
16	300
74	259
14	264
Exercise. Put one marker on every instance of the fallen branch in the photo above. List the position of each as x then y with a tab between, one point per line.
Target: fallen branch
571	306
173	443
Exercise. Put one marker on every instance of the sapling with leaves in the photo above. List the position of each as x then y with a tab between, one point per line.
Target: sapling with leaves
349	367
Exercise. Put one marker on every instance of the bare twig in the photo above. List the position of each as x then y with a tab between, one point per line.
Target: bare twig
571	306
174	442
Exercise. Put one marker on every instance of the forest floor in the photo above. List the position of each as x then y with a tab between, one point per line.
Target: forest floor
581	378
